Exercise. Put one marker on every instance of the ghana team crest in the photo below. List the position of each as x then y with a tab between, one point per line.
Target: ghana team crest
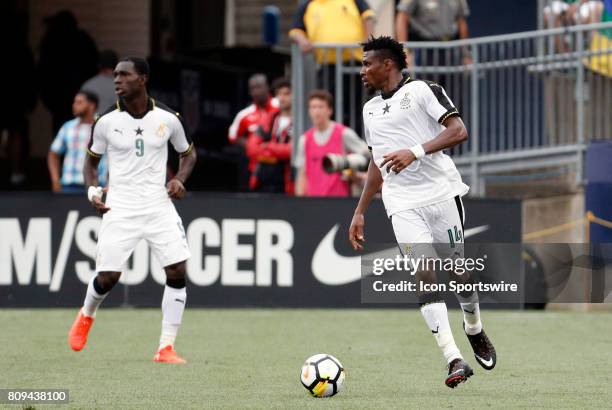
405	103
161	130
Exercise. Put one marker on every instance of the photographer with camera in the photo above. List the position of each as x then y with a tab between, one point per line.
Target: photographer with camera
330	155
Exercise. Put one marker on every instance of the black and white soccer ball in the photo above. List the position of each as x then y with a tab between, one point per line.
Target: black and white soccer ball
322	375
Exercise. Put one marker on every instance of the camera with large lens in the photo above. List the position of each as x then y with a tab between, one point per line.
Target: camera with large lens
338	163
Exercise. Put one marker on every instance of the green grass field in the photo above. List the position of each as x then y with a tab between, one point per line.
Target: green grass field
252	358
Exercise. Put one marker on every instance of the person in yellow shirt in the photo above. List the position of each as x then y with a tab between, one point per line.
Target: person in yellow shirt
334	21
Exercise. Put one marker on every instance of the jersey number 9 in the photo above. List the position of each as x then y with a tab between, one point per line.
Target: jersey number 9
139	147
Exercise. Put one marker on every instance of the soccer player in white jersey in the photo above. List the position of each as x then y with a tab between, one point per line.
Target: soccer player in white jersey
134	134
407	126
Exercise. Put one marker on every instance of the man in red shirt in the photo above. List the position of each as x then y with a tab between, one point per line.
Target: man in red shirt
259	113
272	149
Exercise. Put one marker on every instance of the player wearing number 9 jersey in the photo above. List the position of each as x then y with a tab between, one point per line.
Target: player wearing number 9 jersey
135	134
137	151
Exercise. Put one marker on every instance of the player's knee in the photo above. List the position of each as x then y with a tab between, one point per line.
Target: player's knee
105	281
175	275
426	276
429	297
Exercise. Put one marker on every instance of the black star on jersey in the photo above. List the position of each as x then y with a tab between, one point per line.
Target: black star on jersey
386	108
139	130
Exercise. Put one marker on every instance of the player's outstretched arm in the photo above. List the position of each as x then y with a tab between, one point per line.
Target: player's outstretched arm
372	186
94	193
176	186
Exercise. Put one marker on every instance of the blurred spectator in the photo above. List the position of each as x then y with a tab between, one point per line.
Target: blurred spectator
18	93
102	84
568	12
272	150
432	20
68	57
248	121
325	137
590	11
71	142
334	21
562	13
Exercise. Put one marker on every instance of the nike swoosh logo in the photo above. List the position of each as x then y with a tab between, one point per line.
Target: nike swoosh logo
332	269
436	331
471	312
119	131
179	300
487	363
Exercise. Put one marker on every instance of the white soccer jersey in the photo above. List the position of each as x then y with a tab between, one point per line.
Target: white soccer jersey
409	116
137	149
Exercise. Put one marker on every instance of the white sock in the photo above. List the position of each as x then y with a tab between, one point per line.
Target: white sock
436	317
92	299
471	313
173	306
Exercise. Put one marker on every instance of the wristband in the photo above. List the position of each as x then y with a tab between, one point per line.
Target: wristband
418	151
94	191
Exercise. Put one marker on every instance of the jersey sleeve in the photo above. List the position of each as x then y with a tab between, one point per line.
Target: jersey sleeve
437	104
298	20
366	131
59	143
364	9
179	139
464	9
352	143
238	128
98	142
407	6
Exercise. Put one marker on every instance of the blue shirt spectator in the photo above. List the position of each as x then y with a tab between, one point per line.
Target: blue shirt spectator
71	142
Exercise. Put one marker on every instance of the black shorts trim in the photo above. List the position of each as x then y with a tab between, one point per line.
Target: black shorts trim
460	210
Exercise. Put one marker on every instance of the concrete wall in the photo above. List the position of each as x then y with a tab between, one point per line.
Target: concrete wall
540	214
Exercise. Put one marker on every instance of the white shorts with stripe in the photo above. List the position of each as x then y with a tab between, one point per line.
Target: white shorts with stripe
440	224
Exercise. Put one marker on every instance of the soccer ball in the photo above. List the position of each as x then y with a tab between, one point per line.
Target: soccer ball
322	375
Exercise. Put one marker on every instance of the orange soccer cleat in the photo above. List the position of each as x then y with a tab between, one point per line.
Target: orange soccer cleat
168	355
77	338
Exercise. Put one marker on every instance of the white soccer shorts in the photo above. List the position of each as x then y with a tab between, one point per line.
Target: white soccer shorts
120	233
440	224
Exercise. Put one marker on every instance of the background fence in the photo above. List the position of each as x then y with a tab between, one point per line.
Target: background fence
531	100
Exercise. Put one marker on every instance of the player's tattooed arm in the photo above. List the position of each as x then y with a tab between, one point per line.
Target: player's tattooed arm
90	174
176	186
372	186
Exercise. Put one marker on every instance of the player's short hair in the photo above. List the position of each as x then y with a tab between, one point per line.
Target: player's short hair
140	65
389	48
89	96
281	82
322	95
108	59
